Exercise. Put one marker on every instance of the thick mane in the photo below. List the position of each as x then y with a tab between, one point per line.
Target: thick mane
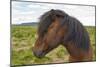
77	33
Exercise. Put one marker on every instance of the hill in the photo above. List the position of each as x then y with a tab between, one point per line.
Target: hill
27	24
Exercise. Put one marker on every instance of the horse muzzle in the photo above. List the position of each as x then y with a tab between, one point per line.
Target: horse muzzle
39	54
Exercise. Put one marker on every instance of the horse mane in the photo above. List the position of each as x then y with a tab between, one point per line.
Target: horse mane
76	31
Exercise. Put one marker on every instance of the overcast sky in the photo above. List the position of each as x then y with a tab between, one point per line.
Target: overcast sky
24	12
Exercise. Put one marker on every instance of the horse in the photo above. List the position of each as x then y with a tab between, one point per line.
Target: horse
59	28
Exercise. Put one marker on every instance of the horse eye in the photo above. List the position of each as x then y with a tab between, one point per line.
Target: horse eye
45	31
53	19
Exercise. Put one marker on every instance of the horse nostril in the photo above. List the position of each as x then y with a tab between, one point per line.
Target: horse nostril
38	54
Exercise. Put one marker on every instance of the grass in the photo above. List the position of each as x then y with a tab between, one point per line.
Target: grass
23	39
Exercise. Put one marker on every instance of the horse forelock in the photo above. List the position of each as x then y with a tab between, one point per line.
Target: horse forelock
47	19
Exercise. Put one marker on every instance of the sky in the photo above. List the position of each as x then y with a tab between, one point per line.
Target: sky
25	12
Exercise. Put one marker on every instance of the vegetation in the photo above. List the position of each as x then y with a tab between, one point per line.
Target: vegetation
23	39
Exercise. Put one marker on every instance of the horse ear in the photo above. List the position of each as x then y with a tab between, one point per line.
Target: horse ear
52	10
53	14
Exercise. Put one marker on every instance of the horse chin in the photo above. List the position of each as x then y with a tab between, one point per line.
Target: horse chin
39	55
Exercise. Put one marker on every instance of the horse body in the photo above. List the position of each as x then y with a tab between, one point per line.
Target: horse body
55	28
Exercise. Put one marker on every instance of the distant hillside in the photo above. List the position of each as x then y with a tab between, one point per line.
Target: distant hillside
36	24
27	24
32	23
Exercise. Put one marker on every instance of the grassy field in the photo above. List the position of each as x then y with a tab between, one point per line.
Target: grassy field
23	39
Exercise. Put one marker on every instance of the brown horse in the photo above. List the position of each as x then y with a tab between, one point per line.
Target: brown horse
58	28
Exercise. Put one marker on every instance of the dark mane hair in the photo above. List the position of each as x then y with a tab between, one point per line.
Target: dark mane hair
77	32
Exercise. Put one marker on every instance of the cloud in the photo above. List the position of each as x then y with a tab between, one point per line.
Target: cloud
30	12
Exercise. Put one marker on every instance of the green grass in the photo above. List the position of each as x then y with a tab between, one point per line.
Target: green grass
23	39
